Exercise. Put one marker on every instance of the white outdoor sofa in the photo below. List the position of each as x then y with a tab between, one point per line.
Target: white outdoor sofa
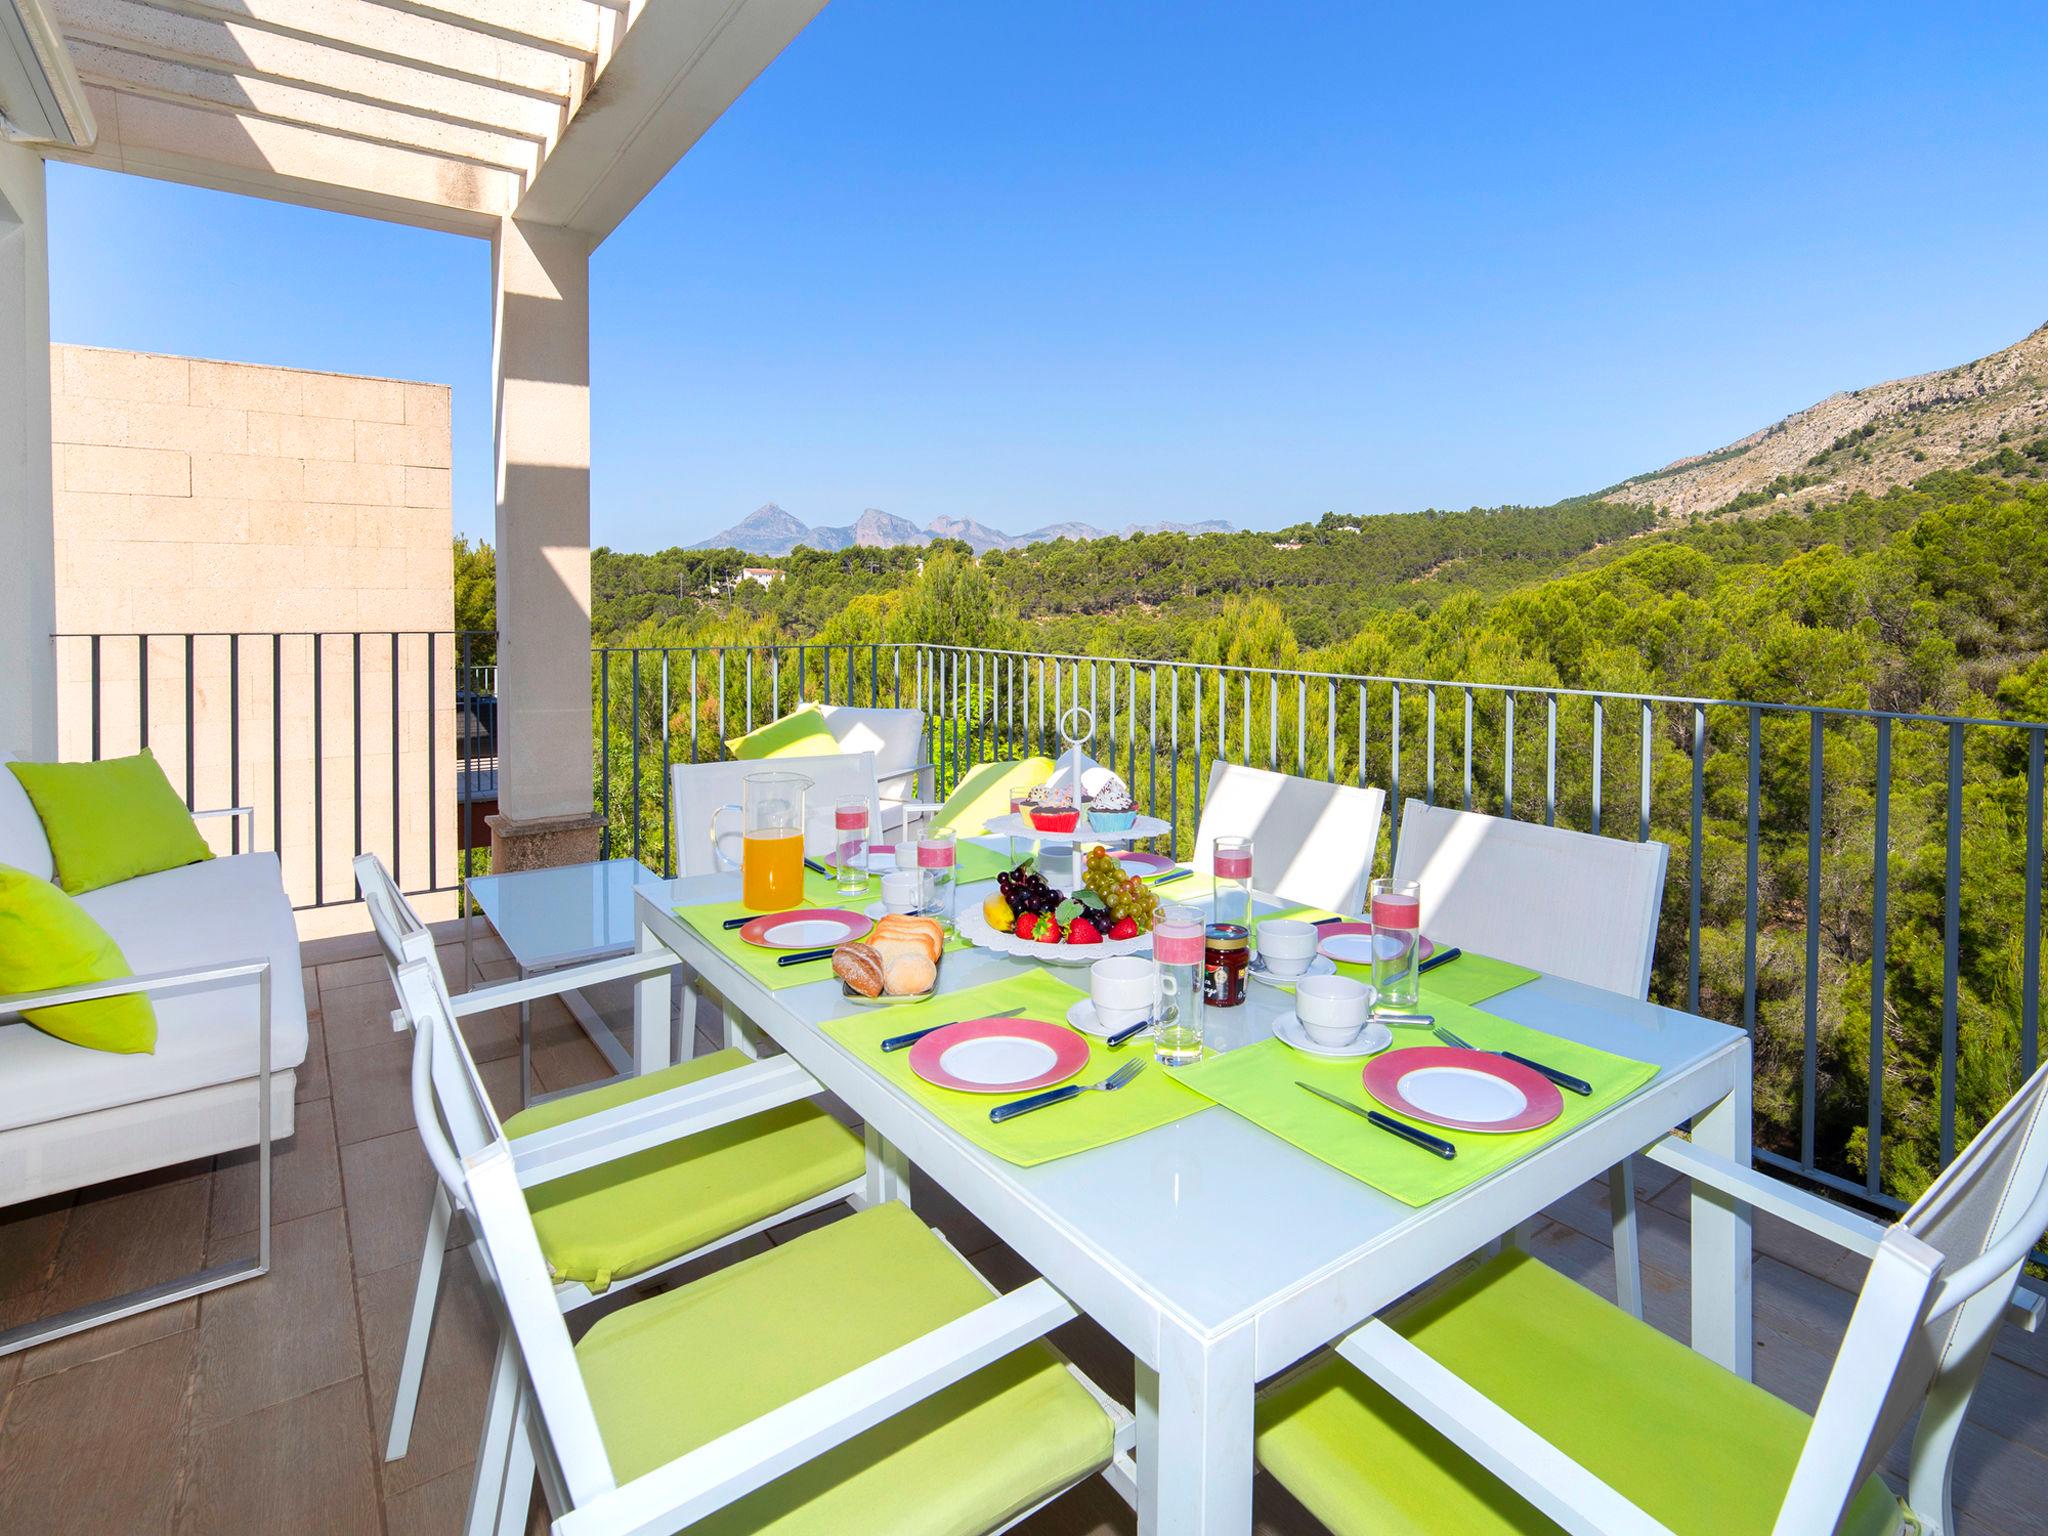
215	946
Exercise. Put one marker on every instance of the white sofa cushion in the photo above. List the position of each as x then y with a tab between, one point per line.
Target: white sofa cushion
224	910
22	843
893	735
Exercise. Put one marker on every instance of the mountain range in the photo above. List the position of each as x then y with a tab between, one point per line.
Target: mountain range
769	530
1864	439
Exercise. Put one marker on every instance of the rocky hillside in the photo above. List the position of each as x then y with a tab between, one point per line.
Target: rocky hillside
1864	440
769	530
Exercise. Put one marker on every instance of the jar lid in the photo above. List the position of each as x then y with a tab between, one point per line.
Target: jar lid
1226	936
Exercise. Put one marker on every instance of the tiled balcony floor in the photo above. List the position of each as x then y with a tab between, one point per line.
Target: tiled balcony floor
262	1407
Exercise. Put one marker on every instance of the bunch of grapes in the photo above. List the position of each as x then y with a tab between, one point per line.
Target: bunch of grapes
1026	890
1124	894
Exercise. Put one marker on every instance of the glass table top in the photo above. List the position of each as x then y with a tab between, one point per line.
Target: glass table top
554	917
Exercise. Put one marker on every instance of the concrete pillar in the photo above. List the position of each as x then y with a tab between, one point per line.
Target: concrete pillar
28	581
541	351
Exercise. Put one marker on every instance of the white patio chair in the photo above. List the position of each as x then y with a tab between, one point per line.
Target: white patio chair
862	1378
1567	903
1515	1398
1312	841
638	1218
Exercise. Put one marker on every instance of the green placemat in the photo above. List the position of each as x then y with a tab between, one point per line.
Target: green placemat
1092	1120
1259	1082
760	963
1470	978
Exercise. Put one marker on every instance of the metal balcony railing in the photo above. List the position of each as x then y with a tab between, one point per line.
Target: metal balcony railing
1859	889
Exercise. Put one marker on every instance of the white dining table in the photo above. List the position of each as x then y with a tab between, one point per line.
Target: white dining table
1214	1251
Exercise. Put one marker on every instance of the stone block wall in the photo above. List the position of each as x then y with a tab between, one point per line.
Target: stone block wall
258	538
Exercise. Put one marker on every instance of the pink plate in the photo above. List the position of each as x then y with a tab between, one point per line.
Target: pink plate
999	1055
1463	1090
806	928
1143	863
1356	948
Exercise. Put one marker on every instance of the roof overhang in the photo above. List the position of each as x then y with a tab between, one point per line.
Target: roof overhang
452	114
41	99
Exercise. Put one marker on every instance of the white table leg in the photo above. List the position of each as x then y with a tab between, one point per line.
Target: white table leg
1721	1324
1195	1437
653	1040
888	1170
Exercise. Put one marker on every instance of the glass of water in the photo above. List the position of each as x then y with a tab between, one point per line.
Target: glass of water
1177	950
1396	943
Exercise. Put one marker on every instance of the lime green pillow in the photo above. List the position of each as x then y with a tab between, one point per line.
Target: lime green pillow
111	821
48	940
985	793
800	733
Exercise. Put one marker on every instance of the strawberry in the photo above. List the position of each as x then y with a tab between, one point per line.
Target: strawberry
1039	927
1123	928
1082	931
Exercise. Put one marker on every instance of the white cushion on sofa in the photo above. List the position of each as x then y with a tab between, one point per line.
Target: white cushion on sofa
224	910
22	843
893	735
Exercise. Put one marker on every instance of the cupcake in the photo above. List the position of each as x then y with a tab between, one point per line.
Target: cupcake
1111	809
1053	810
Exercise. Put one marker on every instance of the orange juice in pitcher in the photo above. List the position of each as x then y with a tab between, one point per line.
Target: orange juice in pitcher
772	869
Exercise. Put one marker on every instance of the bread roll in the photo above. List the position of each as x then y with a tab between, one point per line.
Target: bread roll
909	973
860	967
924	931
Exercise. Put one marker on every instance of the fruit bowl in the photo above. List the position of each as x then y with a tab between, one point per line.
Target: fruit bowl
974	928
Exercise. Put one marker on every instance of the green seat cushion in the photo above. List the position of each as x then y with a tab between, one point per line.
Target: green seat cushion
623	1217
672	1373
48	940
110	821
800	733
985	793
1699	1449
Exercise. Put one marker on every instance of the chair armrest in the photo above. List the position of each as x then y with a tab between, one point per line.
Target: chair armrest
1814	1213
155	981
1537	1470
610	1134
243	813
628	967
684	1491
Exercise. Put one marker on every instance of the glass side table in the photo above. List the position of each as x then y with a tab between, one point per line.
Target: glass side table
552	918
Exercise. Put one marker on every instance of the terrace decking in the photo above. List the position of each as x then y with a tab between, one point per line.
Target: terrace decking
262	1407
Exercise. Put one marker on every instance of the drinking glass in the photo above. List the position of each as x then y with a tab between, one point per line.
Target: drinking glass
1230	864
937	857
1177	949
850	846
1396	942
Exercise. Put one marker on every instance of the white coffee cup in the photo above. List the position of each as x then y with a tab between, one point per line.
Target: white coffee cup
1332	1009
903	891
1287	945
1123	989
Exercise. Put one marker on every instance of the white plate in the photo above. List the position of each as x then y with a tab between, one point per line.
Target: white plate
808	933
1357	948
1459	1093
973	927
997	1061
1082	1017
1369	1041
1318	965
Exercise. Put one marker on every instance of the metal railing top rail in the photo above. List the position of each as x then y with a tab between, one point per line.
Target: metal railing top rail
1448	685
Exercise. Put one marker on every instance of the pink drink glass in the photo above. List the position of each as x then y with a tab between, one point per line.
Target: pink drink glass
1396	934
1230	863
1177	950
850	846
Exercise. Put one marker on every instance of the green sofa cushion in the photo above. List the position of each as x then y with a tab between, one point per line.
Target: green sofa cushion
984	793
800	733
112	820
627	1216
672	1373
48	940
1698	1448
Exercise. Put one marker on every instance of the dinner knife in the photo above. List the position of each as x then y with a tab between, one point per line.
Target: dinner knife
1563	1080
1168	879
1441	957
738	922
816	868
898	1042
1123	1036
1422	1139
805	956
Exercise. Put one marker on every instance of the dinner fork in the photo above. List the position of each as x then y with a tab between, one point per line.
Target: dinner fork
1117	1079
1563	1079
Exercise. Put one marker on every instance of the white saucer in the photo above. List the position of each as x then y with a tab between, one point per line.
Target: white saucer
878	911
1318	965
1082	1017
1369	1041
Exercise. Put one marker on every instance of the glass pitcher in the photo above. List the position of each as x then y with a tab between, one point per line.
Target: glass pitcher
771	858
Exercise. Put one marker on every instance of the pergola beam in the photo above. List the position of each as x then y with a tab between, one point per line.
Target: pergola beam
567	27
668	79
251	96
174	142
240	49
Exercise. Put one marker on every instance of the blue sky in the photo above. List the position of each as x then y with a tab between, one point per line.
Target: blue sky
1113	261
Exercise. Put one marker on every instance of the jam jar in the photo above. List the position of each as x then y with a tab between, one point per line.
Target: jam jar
1226	951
